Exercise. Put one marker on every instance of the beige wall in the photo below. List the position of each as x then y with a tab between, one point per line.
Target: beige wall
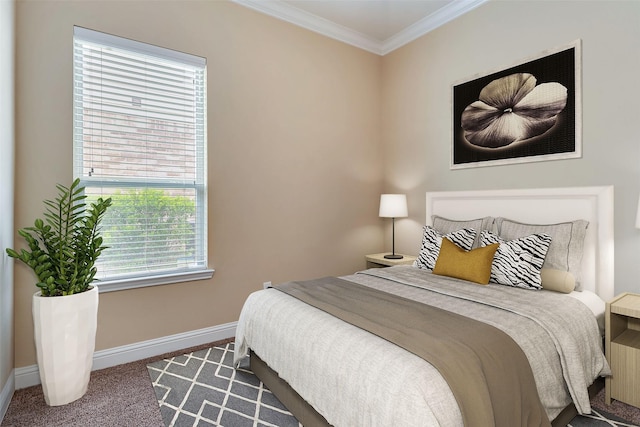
6	196
416	108
294	153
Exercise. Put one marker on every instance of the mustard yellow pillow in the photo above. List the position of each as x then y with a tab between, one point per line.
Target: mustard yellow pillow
473	265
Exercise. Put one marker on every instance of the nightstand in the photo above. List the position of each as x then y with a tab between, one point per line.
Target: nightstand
378	260
622	346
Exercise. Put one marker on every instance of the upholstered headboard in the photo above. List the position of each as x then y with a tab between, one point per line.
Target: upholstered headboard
545	206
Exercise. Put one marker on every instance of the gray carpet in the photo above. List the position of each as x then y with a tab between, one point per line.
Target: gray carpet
202	389
120	396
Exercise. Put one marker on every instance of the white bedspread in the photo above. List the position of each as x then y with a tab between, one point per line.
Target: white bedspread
354	378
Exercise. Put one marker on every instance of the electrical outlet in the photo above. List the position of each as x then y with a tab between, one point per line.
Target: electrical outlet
266	285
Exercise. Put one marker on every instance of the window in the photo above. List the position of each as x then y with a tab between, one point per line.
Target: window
140	138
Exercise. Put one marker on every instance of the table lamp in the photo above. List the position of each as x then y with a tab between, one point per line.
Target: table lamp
393	206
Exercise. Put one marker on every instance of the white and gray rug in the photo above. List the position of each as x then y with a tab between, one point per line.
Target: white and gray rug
202	389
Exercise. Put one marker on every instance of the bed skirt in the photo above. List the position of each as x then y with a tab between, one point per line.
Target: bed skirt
299	407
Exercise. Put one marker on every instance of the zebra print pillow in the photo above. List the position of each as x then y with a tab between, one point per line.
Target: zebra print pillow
432	240
518	262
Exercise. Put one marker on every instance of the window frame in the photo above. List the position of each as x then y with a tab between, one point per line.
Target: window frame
178	275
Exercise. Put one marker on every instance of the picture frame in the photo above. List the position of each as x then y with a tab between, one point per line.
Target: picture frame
527	112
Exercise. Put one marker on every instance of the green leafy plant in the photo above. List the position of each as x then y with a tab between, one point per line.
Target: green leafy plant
63	247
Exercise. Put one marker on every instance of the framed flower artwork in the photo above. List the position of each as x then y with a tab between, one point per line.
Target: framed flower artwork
528	112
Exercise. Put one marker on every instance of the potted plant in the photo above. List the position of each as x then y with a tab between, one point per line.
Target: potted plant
63	249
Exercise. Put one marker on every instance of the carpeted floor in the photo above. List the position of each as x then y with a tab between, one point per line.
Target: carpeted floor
616	409
121	396
124	396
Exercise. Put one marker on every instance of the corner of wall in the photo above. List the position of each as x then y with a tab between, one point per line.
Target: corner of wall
7	144
6	394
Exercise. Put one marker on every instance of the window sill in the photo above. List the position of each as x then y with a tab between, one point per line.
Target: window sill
143	282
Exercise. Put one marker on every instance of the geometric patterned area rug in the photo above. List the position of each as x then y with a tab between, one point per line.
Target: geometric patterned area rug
599	418
202	389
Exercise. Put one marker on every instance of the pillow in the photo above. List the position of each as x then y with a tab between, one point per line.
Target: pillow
445	225
432	239
518	262
557	280
473	265
565	251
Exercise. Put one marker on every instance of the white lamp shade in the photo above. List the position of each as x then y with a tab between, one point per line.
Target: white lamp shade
393	206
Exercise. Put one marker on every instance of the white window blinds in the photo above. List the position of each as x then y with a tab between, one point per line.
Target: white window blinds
140	138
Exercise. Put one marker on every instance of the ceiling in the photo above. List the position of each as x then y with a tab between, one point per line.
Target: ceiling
378	26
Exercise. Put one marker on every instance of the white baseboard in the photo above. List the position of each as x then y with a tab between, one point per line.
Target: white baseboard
29	376
6	394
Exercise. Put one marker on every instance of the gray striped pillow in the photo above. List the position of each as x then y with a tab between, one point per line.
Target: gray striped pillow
565	251
518	262
446	225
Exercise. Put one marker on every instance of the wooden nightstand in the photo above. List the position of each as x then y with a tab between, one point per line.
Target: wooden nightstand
378	260
622	346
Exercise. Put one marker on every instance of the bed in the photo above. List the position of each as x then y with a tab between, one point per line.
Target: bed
328	371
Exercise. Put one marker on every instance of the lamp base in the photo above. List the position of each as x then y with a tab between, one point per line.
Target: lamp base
393	256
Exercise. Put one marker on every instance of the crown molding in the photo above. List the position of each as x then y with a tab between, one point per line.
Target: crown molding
429	23
312	22
309	21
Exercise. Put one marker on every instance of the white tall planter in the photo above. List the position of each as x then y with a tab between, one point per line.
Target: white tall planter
65	336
